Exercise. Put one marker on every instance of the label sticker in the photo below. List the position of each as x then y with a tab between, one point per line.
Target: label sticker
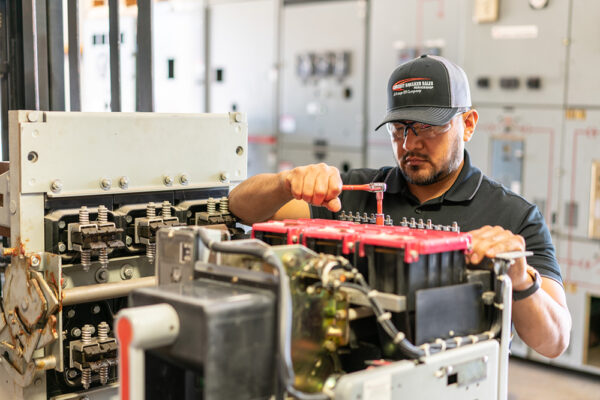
515	32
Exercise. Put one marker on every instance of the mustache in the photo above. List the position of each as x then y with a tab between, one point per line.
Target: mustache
416	155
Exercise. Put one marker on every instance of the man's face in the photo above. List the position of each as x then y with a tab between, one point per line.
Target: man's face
427	159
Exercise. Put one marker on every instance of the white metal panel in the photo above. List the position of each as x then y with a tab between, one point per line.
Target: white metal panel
81	149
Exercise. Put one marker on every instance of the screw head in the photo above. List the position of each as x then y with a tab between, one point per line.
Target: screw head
95	309
61	247
102	275
127	273
35	261
56	186
72	373
105	183
75	332
128	240
184	179
71	313
33	116
124	182
168	181
224	177
62	224
129	219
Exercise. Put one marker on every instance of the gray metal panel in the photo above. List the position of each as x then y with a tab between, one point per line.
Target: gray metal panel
524	43
540	131
248	70
317	108
297	155
430	380
581	144
56	56
114	39
144	75
584	54
401	30
74	83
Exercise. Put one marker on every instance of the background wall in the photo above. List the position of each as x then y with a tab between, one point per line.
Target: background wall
311	75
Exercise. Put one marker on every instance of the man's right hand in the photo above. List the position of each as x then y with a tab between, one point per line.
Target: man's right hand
317	184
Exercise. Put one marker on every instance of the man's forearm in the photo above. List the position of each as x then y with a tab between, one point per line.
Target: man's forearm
542	322
259	197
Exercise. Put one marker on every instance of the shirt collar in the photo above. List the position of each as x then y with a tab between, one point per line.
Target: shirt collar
464	188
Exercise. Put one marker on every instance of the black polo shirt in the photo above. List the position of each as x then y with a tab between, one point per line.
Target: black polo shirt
473	201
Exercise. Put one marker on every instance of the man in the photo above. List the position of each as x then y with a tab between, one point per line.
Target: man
429	120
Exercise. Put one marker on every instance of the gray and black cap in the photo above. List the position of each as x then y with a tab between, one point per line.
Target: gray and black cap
428	89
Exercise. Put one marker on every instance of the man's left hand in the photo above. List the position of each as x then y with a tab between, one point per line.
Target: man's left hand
489	241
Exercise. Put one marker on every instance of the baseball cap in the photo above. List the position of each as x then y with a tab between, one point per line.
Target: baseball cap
428	89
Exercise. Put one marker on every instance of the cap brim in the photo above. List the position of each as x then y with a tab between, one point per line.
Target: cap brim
425	115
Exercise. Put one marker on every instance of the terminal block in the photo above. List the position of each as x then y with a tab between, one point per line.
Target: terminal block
94	355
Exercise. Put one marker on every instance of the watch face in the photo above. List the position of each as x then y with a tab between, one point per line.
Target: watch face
538	4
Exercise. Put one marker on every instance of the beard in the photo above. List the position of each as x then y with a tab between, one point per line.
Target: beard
413	173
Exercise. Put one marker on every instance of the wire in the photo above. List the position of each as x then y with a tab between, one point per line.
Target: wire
284	341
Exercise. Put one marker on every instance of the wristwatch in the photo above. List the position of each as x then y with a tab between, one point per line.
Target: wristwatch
537	282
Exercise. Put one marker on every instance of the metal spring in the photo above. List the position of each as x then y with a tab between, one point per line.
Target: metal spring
151	210
86	259
86	333
103	219
103	335
224	205
166	209
103	329
150	251
102	214
211	206
84	215
86	378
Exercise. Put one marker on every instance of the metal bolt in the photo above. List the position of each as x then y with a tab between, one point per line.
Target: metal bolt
105	183
128	273
33	116
71	313
129	219
124	182
61	247
128	240
102	275
75	332
35	261
72	373
184	179
62	224
224	177
167	180
56	186
95	309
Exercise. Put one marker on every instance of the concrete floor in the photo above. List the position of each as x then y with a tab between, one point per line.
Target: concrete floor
528	380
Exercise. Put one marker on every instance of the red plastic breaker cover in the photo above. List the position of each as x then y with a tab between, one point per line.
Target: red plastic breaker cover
354	236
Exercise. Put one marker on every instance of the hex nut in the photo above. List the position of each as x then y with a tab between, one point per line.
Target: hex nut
56	186
61	247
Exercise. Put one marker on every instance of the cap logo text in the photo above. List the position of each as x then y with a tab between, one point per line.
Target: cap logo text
412	85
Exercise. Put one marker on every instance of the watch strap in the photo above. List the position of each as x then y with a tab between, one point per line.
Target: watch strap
537	283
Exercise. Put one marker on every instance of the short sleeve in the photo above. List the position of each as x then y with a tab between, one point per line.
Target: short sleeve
538	240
